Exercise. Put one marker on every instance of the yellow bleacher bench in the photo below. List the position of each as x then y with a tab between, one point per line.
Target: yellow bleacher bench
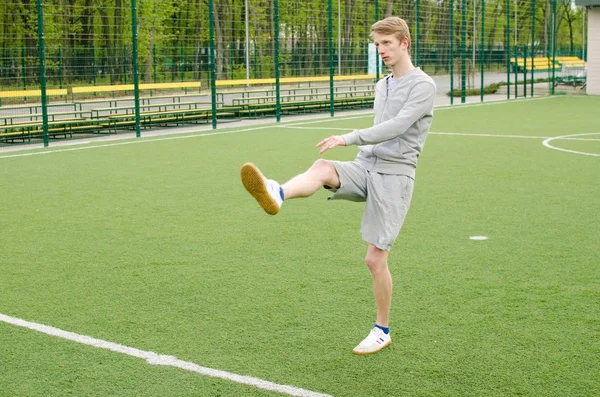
32	93
130	87
286	80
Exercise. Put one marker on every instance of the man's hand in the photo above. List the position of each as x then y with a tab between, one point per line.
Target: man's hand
330	143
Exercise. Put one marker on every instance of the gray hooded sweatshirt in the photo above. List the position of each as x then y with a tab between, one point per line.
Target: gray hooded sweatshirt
402	119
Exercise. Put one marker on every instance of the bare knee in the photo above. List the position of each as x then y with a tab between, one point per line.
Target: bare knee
325	172
376	259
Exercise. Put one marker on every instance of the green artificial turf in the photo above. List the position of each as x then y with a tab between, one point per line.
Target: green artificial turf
154	244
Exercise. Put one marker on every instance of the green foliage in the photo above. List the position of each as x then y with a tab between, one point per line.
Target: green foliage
95	35
490	89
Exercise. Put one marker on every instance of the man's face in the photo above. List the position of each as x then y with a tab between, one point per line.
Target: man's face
390	49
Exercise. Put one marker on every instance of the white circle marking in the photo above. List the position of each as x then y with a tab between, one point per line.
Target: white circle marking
546	143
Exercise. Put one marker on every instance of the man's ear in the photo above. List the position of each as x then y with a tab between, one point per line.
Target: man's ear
404	44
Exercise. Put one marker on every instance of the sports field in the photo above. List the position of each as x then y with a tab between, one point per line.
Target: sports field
143	267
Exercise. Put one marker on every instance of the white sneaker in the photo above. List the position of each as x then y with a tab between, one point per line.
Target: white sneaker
265	191
375	341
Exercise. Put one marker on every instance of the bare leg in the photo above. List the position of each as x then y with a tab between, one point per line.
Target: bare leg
321	173
377	339
376	261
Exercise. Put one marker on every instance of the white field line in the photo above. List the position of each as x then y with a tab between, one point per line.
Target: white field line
139	140
498	102
565	137
286	126
159	359
232	131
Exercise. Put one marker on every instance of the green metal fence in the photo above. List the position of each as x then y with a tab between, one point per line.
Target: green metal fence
57	58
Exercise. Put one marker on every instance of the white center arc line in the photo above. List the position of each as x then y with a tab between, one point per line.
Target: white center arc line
568	137
159	359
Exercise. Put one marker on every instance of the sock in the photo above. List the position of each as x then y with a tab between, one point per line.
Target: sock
384	329
281	193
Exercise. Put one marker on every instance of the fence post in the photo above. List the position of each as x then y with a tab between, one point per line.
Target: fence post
211	63
136	77
376	51
516	53
525	71
553	45
532	42
583	34
276	38
417	32
451	52
463	52
482	49
331	68
507	48
247	41
41	50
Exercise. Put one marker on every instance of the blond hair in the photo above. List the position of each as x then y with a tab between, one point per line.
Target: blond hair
392	25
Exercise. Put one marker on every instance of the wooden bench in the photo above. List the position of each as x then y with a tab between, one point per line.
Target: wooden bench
174	97
177	116
540	64
287	80
295	97
130	87
51	116
158	106
574	65
318	105
60	128
312	89
36	107
150	119
113	102
31	93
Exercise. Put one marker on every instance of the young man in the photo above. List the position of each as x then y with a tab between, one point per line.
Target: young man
383	172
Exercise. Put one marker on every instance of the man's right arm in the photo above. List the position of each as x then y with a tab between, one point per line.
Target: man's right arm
419	102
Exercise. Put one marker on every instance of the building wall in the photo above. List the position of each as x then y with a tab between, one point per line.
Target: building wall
593	61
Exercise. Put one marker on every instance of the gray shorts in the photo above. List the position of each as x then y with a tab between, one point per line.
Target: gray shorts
387	196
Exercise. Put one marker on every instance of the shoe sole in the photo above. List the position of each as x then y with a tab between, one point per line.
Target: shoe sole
373	352
254	182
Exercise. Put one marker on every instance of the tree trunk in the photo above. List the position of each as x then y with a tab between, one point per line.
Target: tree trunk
148	71
119	59
197	44
87	36
349	10
106	36
219	43
389	6
492	35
